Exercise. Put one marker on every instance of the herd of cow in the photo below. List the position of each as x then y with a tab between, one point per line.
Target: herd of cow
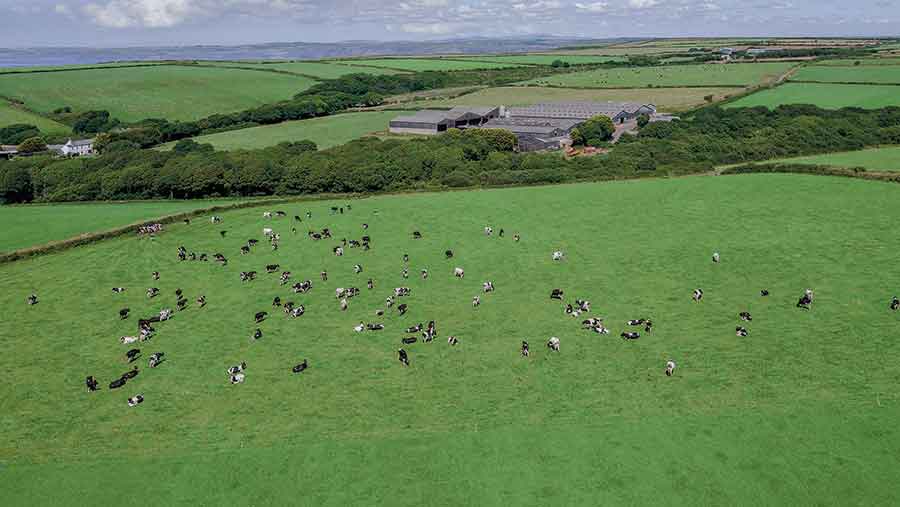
236	373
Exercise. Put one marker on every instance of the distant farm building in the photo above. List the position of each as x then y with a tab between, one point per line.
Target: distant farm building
7	151
618	112
430	122
74	148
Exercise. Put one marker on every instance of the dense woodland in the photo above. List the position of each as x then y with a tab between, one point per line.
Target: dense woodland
710	137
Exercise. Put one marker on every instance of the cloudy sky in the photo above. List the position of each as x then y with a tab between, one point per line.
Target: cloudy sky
26	23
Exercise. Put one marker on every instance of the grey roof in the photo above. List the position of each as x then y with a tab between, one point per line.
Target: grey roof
82	142
480	111
435	116
563	123
578	110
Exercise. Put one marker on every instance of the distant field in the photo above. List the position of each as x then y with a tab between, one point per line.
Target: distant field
883	74
10	115
166	91
744	74
666	99
876	159
61	68
545	59
620	51
423	64
314	69
862	62
325	132
32	225
828	96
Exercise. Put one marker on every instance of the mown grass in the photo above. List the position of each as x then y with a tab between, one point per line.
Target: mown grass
544	59
424	64
325	132
320	70
742	74
800	412
31	225
876	159
863	62
164	91
876	74
666	99
10	115
824	95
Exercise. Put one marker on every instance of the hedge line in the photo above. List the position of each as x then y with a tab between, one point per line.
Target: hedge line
852	172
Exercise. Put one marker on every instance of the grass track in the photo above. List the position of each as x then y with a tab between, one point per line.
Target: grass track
800	412
325	132
165	91
824	95
740	74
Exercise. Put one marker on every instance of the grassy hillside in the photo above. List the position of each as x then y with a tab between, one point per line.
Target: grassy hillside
800	412
319	70
165	91
544	59
876	74
27	226
877	159
742	74
423	64
325	132
10	115
825	95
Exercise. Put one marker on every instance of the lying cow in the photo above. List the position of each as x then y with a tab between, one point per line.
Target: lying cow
715	257
414	329
403	357
698	295
237	378
135	400
487	287
459	272
745	316
127	340
375	327
344	305
32	299
410	340
91	383
132	355
553	344
764	293
741	331
402	309
115	384
360	328
476	302
118	290
271	268
152	292
558	255
451	340
630	335
670	368
260	316
895	303
556	294
448	254
298	311
123	313
300	368
525	349
237	368
257	334
402	291
156	359
357	269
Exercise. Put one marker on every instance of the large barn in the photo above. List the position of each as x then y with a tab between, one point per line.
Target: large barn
618	112
432	122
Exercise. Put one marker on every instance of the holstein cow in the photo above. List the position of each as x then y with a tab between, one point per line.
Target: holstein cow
459	272
257	334
260	316
487	287
300	368
630	335
410	340
156	359
132	355
118	290
764	293
745	316
806	300
360	328
414	329
740	331
123	313
237	368
715	257
403	357
237	378
670	368
553	344
91	383
698	295
525	349
895	303
448	254
115	384
558	255
135	400
451	340
476	301
556	294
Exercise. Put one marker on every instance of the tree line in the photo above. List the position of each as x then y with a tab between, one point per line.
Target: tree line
469	158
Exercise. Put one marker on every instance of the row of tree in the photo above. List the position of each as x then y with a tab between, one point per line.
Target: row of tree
712	137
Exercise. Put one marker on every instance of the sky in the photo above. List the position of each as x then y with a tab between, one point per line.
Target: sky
120	23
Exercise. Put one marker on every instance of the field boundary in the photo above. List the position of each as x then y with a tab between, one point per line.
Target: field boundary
853	83
819	170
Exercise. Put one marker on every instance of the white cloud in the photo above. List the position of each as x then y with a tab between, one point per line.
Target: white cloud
641	4
428	28
592	7
148	13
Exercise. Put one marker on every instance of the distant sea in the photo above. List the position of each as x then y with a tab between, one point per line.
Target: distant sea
283	51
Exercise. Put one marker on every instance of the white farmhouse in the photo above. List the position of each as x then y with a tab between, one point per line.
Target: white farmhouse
74	148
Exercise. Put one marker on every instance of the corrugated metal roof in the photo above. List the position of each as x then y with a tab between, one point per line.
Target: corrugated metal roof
579	110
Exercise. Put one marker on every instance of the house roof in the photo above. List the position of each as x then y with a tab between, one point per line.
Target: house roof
81	142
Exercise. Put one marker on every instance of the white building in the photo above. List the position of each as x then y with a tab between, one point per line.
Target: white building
74	148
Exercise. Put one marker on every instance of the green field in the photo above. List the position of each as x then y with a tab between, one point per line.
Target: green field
544	59
10	115
801	412
423	64
666	99
825	95
165	91
32	225
863	62
876	159
326	132
64	68
875	74
741	74
313	69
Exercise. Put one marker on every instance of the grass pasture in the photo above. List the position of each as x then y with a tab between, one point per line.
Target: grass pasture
876	159
539	59
824	95
163	91
715	75
801	412
10	115
318	70
665	99
326	132
425	64
874	74
863	62
63	221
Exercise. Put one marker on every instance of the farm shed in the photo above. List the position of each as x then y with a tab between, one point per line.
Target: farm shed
618	112
431	122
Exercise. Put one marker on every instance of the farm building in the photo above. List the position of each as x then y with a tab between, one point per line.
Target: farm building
431	122
536	133
7	151
74	148
618	112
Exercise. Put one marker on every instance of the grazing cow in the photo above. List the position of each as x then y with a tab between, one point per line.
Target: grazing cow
267	232
245	250
128	375
402	291
123	313
487	287
298	311
516	238
223	233
715	257
201	301
181	304
324	275
344	305
152	292
405	258
285	276
267	214
252	242
237	368
451	340
403	357
165	314
448	254
128	340
895	303
558	255
297	218
524	349
745	316
599	329
237	378
215	219
260	316
740	331
135	400
670	368
271	268
115	384
91	383
410	340
424	274
389	302
132	355
156	359
556	294
488	231
155	275
476	301
764	293
338	251
357	269
118	290
648	327
414	329
417	235
553	344
698	295
257	334
360	328
375	327
276	301
402	309
370	284
300	368
459	272
630	335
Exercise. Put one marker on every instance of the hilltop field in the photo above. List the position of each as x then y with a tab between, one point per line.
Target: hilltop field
801	411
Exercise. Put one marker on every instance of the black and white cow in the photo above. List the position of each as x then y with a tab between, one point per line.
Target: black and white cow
895	303
91	383
745	316
741	331
403	357
410	340
237	378
271	268
402	291
414	329
764	293
698	295
525	349
806	300
374	327
417	235
487	287
298	311
155	275
402	309
476	301
238	368
181	304
276	301
245	250
451	340
357	269
324	275
583	305
553	344
344	304
448	254
215	219
516	238
132	355
715	257
118	290
260	316
556	294
152	292
670	368
257	334
156	359
370	284
128	375
300	368
135	400
115	384
424	274
123	313
630	335
459	272
201	301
